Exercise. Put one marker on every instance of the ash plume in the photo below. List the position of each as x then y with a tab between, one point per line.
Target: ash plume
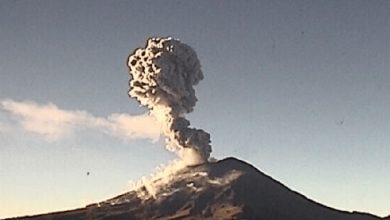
162	78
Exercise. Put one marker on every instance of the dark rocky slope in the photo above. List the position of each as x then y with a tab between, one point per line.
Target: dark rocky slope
228	189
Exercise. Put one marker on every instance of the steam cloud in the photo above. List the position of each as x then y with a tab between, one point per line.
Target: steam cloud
163	75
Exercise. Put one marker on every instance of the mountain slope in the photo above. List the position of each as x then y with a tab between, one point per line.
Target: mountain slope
227	189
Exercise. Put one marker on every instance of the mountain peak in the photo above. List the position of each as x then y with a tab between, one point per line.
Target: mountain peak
227	189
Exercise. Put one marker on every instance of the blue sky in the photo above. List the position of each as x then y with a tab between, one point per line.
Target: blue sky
299	89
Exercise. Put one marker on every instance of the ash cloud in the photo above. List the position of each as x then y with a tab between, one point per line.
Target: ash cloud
162	78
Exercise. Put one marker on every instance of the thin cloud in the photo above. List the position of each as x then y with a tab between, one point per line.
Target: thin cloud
53	124
128	126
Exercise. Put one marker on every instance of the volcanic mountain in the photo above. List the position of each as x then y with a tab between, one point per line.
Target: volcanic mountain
227	189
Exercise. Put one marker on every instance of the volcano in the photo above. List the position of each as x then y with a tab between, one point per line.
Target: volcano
227	189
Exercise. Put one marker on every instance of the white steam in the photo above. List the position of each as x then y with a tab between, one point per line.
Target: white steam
152	185
163	75
172	178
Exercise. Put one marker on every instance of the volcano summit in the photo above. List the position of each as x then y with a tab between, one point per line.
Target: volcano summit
194	186
227	189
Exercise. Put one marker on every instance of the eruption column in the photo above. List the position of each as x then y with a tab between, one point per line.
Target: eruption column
163	75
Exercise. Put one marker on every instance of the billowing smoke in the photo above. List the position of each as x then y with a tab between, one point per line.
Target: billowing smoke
163	75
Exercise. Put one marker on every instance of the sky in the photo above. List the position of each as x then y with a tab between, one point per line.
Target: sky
297	88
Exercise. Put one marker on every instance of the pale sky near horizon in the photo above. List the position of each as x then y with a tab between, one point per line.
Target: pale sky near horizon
300	89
